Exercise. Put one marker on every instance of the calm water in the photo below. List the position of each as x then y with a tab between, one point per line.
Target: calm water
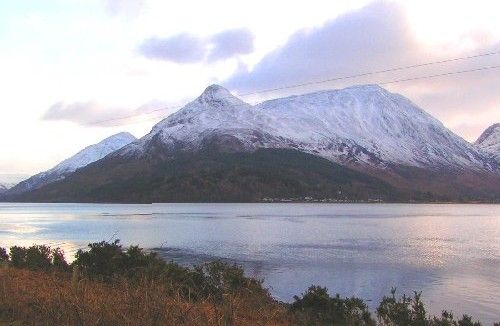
450	252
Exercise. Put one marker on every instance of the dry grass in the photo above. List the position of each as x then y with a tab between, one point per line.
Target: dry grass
41	298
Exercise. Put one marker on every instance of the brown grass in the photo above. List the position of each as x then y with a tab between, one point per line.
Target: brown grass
41	298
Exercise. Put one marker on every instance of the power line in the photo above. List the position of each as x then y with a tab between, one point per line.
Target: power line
342	78
372	73
440	75
398	81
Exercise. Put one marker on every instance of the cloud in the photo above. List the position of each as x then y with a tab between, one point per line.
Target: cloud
127	7
230	43
373	37
91	113
79	112
187	48
377	37
181	48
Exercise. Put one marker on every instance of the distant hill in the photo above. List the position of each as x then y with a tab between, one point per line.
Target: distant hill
84	157
8	181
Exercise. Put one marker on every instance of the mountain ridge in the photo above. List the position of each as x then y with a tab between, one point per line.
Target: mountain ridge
489	140
81	159
360	124
376	136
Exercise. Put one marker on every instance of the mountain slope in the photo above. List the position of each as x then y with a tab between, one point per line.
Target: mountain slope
214	177
86	156
361	125
489	140
4	187
8	181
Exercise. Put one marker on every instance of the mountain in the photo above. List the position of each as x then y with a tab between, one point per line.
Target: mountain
8	181
81	159
214	177
5	186
364	125
490	140
219	148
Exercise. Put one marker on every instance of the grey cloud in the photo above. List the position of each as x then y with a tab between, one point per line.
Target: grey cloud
187	48
93	114
377	37
181	48
79	112
373	37
230	43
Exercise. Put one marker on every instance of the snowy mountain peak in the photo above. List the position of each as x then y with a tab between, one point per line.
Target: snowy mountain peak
121	137
490	140
95	152
489	134
367	88
358	125
217	96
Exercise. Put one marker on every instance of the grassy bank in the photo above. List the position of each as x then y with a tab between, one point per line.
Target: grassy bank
111	285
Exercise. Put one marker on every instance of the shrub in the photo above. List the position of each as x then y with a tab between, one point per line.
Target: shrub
317	307
215	279
105	260
18	256
405	311
58	260
411	311
38	257
3	254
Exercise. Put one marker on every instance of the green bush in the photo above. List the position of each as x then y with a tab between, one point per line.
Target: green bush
215	279
404	311
58	260
37	257
18	256
317	307
105	260
102	260
3	254
411	311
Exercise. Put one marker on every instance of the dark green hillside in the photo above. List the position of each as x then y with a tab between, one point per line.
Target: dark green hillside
217	177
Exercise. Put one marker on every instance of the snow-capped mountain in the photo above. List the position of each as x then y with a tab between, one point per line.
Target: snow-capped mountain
5	186
86	156
360	125
8	181
365	143
490	140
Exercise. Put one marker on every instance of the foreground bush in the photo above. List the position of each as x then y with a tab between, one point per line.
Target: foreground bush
316	307
411	311
36	257
112	285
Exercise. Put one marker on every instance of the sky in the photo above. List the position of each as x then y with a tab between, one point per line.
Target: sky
73	72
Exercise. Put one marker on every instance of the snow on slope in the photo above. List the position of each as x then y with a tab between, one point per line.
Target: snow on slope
356	125
8	181
490	140
4	186
86	156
